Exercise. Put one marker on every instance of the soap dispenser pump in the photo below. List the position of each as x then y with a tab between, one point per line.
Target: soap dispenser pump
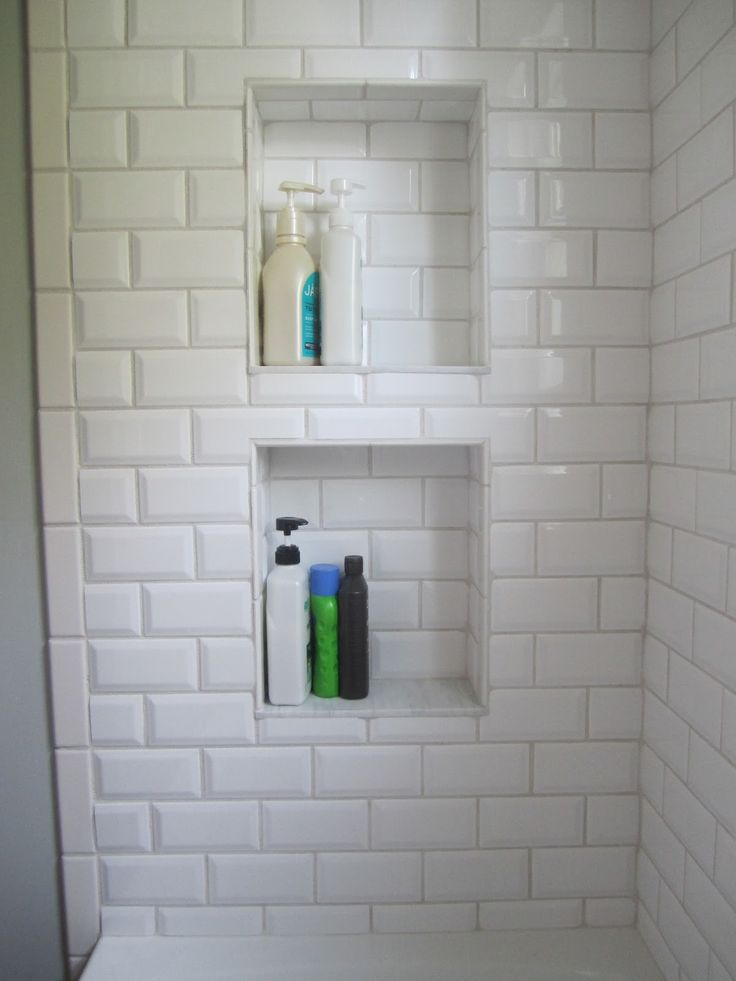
340	280
288	624
291	289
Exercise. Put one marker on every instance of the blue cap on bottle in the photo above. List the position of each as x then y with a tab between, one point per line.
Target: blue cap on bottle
324	579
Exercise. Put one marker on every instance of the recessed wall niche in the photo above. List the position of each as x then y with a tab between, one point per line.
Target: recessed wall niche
418	515
420	149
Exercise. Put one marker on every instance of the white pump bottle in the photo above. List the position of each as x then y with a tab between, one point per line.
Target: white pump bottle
340	284
291	289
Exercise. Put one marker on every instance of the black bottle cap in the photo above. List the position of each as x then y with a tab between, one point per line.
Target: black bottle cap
287	555
353	565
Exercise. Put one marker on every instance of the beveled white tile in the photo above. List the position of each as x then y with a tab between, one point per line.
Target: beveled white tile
622	375
161	22
508	822
141	665
261	878
593	81
472	875
700	27
103	379
675	372
511	198
206	826
363	423
613	819
51	227
662	69
588	659
112	610
537	377
202	138
95	25
143	773
545	492
186	720
100	259
389	504
588	871
107	496
315	825
150	319
591	200
258	772
216	78
704	435
716	357
590	547
108	79
116	720
445	185
335	729
424	918
97	138
622	25
198	608
392	293
322	920
529	914
540	258
288	22
605	317
82	896
68	674
54	360
194	494
540	140
396	388
367	771
440	23
677	245
374	877
153	879
427	823
74	773
706	160
418	654
535	715
510	430
302	389
188	258
227	663
524	605
63	567
473	769
224	435
622	139
663	202
123	827
452	729
426	141
428	554
514	317
360	63
58	449
210	921
670	617
625	490
194	377
702	298
715	514
217	198
549	24
135	436
218	318
615	714
223	551
718	75
608	767
576	434
114	200
624	259
623	602
410	240
509	75
48	109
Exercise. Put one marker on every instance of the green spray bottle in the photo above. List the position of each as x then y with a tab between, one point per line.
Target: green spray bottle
324	582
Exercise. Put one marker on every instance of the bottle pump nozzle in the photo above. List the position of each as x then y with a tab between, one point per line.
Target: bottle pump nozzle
290	222
341	187
288	554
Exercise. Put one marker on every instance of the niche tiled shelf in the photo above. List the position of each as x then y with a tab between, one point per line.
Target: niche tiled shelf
418	514
420	149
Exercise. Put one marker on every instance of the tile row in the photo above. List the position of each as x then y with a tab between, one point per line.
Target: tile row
357	825
448	771
163	22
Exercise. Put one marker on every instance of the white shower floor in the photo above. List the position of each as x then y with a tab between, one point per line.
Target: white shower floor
504	955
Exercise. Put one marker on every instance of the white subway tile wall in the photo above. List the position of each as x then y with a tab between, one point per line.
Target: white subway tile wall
185	808
687	909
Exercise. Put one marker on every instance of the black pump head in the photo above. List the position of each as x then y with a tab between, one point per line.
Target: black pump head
287	525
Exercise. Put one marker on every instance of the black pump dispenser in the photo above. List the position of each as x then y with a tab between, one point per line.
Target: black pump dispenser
288	554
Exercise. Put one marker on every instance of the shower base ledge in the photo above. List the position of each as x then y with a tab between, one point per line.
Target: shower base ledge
613	954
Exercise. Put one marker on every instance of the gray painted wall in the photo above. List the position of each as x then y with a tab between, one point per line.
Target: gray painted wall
30	931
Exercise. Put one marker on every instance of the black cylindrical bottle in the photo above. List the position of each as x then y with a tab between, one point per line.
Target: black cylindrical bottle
352	599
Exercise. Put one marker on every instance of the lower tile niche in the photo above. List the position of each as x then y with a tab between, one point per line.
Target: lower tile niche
418	515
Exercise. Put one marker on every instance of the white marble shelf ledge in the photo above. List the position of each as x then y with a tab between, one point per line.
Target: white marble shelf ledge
398	698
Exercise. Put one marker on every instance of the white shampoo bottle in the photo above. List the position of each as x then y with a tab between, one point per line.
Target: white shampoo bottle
291	289
288	628
340	284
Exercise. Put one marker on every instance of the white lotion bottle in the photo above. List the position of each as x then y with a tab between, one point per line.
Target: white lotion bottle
291	289
288	654
341	294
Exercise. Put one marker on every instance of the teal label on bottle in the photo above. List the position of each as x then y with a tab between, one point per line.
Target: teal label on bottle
310	317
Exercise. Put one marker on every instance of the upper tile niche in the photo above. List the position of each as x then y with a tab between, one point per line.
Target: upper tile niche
420	150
